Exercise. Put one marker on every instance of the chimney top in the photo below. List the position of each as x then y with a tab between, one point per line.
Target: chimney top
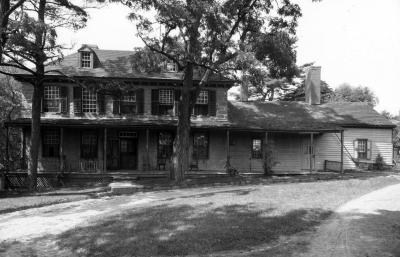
313	85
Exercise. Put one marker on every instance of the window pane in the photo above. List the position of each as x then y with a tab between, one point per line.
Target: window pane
203	97
256	151
85	59
165	145
89	144
89	100
51	99
166	96
362	148
200	146
51	143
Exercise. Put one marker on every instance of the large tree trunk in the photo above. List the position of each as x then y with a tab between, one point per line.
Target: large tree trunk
35	136
37	99
182	140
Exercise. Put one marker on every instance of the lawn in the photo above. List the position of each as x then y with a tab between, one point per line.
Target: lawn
251	220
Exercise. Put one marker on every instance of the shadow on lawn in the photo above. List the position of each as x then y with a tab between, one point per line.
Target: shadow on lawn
238	192
182	230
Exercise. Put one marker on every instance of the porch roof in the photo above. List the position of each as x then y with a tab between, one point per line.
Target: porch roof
302	116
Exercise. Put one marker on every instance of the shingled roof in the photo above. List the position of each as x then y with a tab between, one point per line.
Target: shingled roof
299	116
270	116
115	64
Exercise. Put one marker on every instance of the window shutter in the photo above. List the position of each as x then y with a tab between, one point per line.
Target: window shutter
101	103
140	101
77	100
154	101
212	103
64	99
355	144
369	150
116	104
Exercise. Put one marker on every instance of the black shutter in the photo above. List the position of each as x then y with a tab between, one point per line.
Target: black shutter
116	104
101	103
212	103
140	101
154	101
77	100
64	100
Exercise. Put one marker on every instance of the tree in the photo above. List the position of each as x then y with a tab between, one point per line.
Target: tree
348	93
387	115
33	42
7	9
206	36
10	104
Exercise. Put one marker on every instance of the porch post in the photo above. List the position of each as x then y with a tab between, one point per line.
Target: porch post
228	157
147	165
61	149
341	150
7	150
311	151
23	148
265	157
105	150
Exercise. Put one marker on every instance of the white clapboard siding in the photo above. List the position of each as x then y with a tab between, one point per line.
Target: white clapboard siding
287	153
328	146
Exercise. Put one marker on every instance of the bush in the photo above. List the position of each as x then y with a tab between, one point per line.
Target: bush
379	163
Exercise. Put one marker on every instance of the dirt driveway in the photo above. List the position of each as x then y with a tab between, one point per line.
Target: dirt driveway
253	220
367	226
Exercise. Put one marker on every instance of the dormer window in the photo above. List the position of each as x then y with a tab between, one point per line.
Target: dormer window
85	60
172	67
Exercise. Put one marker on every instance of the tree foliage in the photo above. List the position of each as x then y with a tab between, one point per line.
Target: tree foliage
348	93
10	106
209	36
32	46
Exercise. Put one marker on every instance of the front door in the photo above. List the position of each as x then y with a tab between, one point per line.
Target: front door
128	153
308	155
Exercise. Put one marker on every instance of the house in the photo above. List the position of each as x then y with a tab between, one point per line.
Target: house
122	121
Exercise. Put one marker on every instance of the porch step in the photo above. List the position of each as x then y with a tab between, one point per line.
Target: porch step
124	187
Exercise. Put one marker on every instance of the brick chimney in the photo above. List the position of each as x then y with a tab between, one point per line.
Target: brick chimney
313	85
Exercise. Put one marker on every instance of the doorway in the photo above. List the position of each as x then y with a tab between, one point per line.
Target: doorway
128	153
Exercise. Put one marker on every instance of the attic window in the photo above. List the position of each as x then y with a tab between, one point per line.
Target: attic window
172	67
85	60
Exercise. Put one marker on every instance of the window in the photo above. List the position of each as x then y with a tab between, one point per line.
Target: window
51	99
362	148
201	107
89	101
128	104
51	143
166	96
166	101
165	145
256	148
89	145
172	67
200	146
202	97
85	59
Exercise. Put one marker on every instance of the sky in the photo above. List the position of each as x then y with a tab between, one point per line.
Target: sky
354	41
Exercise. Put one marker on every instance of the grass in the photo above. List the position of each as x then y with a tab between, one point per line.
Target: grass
251	220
